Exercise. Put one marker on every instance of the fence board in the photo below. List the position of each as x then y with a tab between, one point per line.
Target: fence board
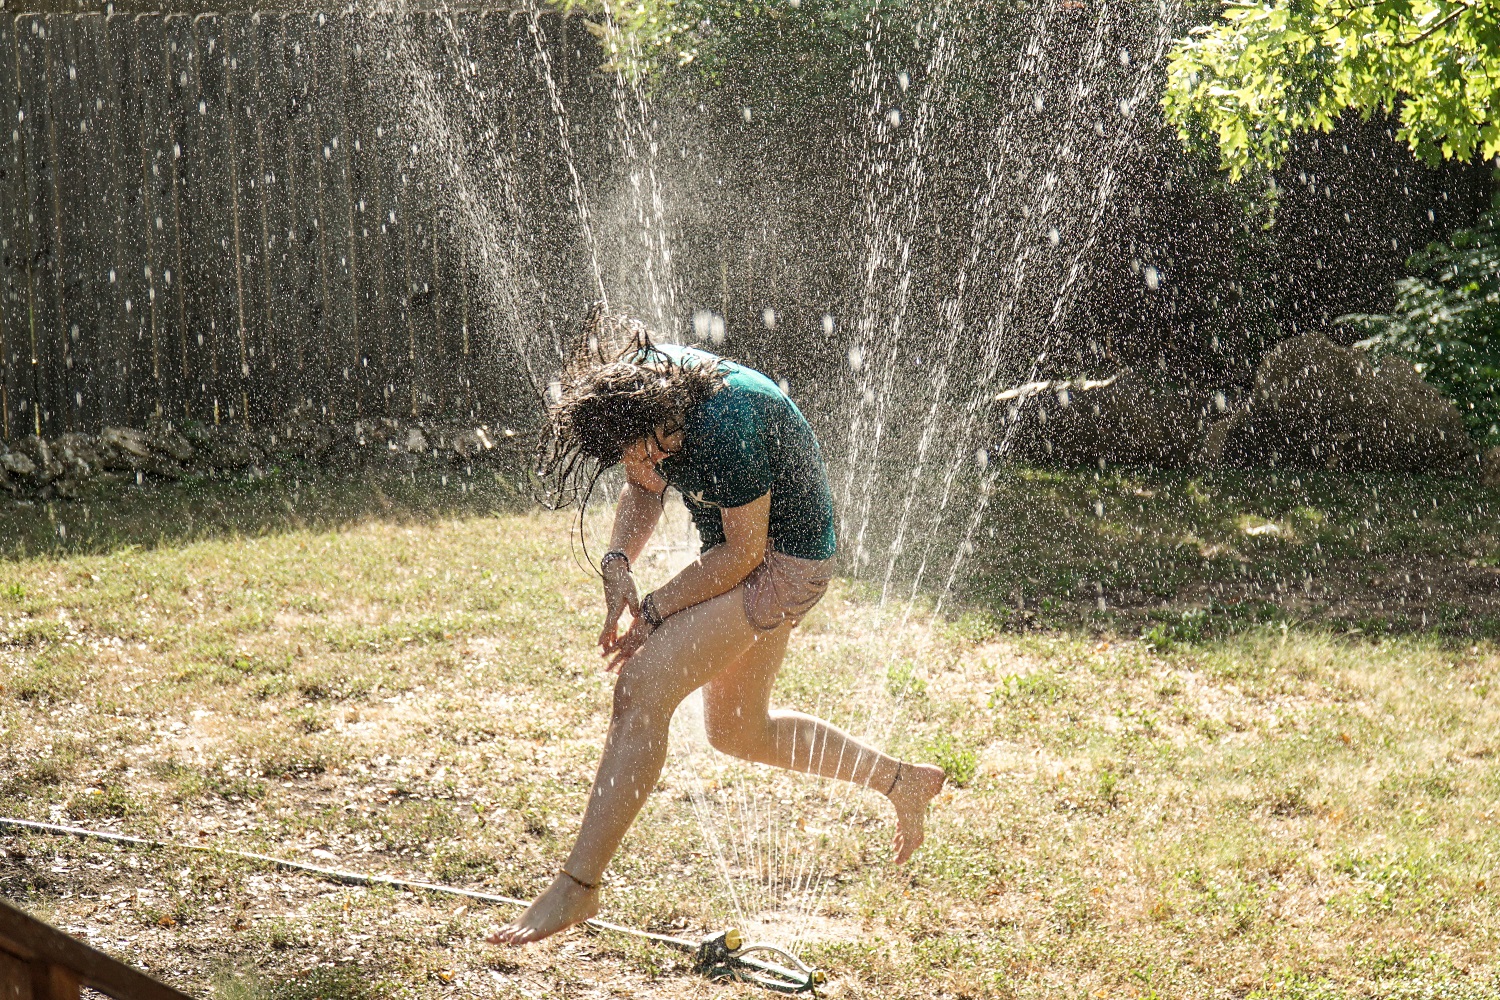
109	381
32	117
240	200
70	144
86	196
136	240
303	278
201	279
342	301
176	58
215	203
270	182
156	184
14	263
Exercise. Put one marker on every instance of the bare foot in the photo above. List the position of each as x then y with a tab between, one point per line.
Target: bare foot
564	904
918	784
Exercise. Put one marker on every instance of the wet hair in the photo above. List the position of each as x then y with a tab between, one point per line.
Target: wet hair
614	391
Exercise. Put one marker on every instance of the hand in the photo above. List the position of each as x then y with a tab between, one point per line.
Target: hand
629	643
619	593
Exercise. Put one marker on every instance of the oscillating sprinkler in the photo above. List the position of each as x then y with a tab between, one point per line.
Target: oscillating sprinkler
727	956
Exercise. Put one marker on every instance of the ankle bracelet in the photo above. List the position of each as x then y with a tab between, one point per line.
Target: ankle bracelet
897	778
590	886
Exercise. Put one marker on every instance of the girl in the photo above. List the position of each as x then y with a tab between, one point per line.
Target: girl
751	474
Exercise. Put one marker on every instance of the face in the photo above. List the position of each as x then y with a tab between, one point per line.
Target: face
640	458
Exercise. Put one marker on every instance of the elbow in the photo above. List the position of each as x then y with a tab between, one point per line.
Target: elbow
752	557
746	556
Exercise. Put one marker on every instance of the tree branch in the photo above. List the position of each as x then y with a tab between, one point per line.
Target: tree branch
1460	12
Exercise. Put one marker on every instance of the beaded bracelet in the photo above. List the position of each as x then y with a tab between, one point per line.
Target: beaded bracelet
614	554
649	612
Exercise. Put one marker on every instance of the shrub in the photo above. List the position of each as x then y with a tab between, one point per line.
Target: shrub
1447	322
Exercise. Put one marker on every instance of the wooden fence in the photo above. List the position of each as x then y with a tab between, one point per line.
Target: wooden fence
222	218
40	962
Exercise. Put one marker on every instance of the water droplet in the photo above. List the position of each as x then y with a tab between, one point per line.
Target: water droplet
856	358
111	276
1124	57
1038	102
982	458
1153	278
747	114
768	317
1220	402
1098	508
904	80
1053	236
716	331
894	117
869	397
827	325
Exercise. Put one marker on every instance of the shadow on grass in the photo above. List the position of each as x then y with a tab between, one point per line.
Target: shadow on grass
115	515
1190	555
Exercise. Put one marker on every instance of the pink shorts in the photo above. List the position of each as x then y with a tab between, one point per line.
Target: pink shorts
783	589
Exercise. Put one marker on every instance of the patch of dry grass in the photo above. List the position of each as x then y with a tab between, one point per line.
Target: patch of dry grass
1274	812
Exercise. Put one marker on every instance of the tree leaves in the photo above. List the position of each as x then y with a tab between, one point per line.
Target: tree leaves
1244	86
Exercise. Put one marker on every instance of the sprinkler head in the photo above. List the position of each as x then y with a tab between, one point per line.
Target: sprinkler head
733	939
818	977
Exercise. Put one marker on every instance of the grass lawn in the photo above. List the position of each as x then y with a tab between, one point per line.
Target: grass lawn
1286	789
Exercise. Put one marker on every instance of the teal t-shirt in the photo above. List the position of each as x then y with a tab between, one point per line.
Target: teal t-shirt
744	441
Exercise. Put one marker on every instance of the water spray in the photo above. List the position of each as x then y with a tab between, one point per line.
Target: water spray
725	955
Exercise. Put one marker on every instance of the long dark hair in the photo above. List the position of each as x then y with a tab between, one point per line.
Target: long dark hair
615	389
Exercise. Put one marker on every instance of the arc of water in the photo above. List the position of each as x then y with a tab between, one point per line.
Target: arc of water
1000	322
494	229
565	142
1166	17
635	122
881	329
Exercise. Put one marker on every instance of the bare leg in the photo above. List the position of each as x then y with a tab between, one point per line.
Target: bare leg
739	720
688	650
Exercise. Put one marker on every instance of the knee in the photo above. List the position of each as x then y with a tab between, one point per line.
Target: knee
637	701
736	735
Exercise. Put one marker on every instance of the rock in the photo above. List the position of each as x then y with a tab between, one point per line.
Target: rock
1316	405
77	451
47	467
1490	471
1124	420
127	440
230	449
163	439
17	464
416	441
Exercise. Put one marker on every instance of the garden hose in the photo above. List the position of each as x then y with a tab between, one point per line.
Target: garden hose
724	955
